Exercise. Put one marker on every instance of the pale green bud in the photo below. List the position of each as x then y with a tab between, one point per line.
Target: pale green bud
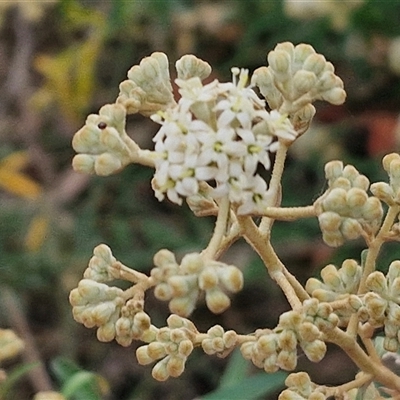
394	270
350	273
372	209
217	301
181	285
163	291
190	66
335	96
312	285
302	51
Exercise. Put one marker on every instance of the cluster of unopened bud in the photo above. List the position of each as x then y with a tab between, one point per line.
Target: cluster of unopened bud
218	340
10	344
171	345
295	78
345	211
96	304
300	387
389	192
277	348
103	142
381	304
181	284
100	265
338	284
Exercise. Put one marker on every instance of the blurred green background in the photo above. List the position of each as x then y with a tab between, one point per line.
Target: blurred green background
60	61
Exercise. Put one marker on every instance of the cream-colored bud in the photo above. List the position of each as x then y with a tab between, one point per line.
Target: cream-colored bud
391	344
361	181
48	395
335	200
106	332
333	239
350	271
247	350
331	276
163	291
231	277
177	335
185	348
229	338
164	257
302	51
208	278
323	294
304	81
270	364
216	331
176	365
299	380
308	332
391	328
190	66
192	263
350	172
314	351
376	306
84	163
387	160
279	61
312	285
181	285
107	164
372	209
356	197
287	360
142	355
267	344
336	96
290	395
155	350
290	319
182	306
287	340
377	282
10	344
159	371
314	63
317	396
383	192
217	301
351	228
394	270
329	221
355	302
333	169
142	320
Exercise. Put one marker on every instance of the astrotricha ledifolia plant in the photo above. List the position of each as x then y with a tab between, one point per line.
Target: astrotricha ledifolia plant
211	149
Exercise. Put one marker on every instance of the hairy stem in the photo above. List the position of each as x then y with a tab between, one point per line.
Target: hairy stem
289	213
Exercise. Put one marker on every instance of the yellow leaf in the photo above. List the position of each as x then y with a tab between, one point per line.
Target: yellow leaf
19	184
15	161
37	233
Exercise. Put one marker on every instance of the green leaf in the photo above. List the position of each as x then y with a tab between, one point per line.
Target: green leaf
12	378
235	370
83	382
249	388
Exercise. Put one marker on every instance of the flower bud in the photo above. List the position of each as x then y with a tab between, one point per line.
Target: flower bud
351	228
183	306
331	276
192	263
159	371
107	164
335	200
287	360
304	81
176	365
377	282
391	344
190	66
383	192
208	278
231	277
279	61
84	163
333	170
314	63
387	160
287	340
217	301
314	351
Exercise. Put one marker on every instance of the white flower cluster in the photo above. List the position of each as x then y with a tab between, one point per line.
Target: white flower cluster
219	133
218	340
278	348
345	211
181	284
172	345
381	304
